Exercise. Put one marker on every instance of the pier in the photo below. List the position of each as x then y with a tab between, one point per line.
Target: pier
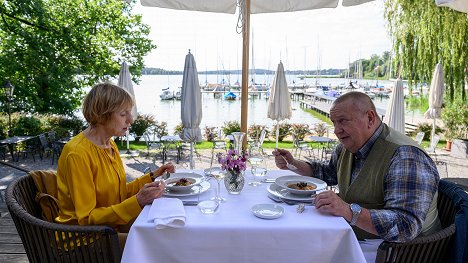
322	105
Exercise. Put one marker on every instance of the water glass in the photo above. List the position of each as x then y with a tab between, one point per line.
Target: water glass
219	175
256	161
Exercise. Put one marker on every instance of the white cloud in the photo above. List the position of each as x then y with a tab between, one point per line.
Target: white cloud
300	39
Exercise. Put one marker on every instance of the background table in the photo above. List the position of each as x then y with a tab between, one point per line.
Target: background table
12	142
234	234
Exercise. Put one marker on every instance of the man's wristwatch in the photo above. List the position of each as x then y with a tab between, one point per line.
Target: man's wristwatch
356	210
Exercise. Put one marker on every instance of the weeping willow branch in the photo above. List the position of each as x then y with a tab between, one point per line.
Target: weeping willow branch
424	34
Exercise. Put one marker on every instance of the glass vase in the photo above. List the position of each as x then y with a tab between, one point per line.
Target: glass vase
234	182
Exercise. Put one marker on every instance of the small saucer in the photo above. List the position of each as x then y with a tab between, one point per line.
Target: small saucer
267	211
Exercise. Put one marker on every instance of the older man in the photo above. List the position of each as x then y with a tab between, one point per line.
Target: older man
387	183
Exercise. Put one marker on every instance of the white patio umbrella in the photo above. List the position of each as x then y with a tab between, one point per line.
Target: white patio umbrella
395	113
459	5
125	82
279	103
436	96
191	106
248	7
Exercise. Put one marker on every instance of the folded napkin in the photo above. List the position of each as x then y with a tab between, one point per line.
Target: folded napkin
167	212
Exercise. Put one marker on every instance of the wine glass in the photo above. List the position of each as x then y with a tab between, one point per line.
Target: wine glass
256	160
219	175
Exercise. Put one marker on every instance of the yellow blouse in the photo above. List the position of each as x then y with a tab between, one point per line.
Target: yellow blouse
92	186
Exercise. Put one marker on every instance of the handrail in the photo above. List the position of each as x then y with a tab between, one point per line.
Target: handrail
16	167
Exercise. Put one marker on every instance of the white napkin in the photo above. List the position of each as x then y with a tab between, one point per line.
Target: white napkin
167	212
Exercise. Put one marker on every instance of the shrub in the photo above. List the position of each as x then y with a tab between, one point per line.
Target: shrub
140	125
455	118
160	129
178	129
230	127
26	125
320	128
427	129
64	126
300	130
284	130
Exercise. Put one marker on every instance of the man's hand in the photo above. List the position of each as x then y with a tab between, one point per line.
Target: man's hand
329	202
280	156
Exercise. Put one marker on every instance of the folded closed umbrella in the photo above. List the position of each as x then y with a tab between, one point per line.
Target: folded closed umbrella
279	103
436	96
395	113
125	82
191	107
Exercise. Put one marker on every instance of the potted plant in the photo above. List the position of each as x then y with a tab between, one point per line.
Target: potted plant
455	118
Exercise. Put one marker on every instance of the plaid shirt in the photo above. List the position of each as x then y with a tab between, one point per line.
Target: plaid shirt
409	187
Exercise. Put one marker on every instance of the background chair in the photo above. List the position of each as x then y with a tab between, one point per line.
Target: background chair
446	245
419	137
152	143
301	146
257	144
433	145
218	146
51	242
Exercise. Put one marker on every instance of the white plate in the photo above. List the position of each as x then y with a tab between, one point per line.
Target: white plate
267	211
284	181
192	191
281	192
193	177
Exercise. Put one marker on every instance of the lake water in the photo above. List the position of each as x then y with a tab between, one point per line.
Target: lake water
217	111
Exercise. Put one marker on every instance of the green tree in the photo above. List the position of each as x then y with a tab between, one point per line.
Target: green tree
424	34
52	49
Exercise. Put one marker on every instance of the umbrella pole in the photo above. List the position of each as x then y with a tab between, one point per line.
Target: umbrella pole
128	142
192	165
277	133
245	70
433	130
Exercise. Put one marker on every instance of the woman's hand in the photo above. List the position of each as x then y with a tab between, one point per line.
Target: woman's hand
168	167
149	192
280	156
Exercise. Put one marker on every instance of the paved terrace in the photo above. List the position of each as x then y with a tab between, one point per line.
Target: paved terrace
11	248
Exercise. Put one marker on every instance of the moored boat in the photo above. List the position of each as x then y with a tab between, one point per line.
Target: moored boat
166	94
230	96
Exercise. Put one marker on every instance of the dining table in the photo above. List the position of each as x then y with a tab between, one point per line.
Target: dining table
12	142
234	234
322	140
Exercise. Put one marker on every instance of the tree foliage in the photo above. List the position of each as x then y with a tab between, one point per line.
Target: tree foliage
52	49
425	34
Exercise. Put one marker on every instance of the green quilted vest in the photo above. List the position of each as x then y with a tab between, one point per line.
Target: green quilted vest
367	189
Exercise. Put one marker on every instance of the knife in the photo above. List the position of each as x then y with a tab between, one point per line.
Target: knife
190	203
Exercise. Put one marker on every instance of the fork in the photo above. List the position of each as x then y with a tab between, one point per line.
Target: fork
164	177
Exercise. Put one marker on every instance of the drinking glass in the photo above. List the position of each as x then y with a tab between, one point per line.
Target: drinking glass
219	175
256	160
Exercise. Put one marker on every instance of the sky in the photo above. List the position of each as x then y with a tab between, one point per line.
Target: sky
324	38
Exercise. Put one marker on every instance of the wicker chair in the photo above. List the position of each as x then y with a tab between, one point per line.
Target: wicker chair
51	242
443	246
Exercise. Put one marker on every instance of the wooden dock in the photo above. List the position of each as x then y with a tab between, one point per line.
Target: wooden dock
323	105
11	247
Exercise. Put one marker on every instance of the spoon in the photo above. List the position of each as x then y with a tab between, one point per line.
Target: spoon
290	166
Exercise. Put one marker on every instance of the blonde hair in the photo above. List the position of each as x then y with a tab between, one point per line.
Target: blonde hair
104	99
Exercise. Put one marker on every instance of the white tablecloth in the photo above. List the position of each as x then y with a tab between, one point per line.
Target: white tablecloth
234	234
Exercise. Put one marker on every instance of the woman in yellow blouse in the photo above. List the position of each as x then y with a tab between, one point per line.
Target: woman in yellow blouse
92	187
